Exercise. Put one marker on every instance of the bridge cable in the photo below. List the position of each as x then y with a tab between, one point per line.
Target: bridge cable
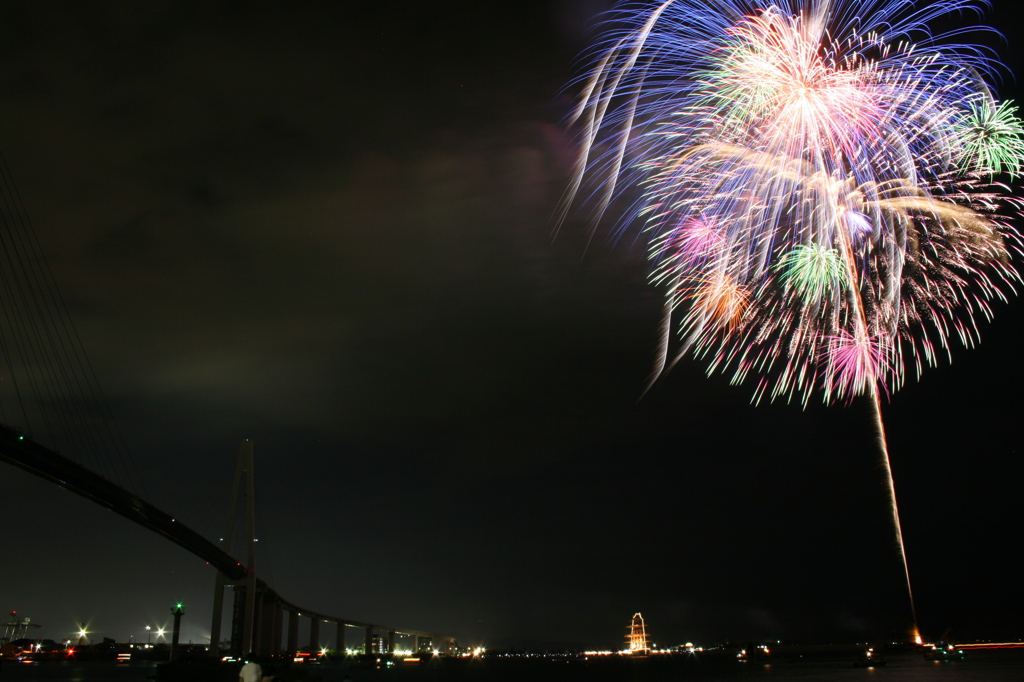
50	350
35	344
88	374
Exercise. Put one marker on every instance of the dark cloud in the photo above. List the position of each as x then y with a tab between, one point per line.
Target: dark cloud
329	230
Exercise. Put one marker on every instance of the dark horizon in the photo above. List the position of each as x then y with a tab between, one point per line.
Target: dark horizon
328	230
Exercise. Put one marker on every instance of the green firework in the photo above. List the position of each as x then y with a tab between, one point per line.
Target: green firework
813	270
992	138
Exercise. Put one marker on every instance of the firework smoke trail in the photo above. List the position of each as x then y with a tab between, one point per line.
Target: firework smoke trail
816	186
891	485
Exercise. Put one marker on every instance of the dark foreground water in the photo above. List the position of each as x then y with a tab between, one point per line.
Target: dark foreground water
1005	666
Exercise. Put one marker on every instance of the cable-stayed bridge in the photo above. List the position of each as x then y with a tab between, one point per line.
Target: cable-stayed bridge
258	617
51	386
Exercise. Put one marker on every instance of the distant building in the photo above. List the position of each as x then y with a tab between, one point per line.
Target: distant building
378	644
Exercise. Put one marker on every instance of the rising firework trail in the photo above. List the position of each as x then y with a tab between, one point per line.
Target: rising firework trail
817	182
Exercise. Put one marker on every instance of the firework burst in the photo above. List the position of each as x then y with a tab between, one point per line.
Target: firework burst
817	183
808	173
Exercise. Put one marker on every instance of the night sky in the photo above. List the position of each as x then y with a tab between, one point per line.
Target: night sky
328	230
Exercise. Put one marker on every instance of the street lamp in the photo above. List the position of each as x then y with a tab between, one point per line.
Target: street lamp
148	635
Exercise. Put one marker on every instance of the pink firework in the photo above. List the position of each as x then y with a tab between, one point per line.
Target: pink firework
854	364
696	239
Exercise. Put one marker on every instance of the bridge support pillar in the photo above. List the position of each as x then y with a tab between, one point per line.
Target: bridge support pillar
340	638
276	625
391	641
266	627
293	633
415	644
250	611
369	640
314	636
218	613
259	627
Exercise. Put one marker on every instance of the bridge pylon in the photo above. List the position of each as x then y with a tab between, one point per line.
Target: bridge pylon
245	587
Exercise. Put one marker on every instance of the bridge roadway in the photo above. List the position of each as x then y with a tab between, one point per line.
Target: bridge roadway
438	642
21	451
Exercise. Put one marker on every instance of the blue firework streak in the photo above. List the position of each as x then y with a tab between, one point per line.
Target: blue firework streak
816	183
817	186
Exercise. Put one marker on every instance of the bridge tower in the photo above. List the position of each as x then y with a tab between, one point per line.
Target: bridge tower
245	587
